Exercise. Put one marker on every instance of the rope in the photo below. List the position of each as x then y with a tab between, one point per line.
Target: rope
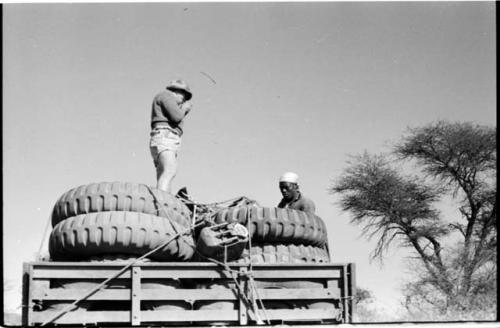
224	264
193	219
44	237
249	274
227	268
189	201
250	302
251	281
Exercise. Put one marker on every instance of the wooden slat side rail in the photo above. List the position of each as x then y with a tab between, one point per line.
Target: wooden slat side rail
181	294
184	265
184	316
242	291
147	316
181	270
351	270
77	273
157	273
103	273
44	273
135	295
345	296
296	314
26	300
336	280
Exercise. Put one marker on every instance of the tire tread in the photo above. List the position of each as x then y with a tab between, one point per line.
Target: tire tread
119	196
118	232
280	225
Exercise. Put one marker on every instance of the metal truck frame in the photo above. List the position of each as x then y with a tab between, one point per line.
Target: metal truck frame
337	280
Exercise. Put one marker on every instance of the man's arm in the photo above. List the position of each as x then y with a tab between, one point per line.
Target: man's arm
281	204
309	206
172	111
187	106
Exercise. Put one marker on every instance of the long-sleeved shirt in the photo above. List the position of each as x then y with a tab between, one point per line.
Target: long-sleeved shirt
166	111
301	203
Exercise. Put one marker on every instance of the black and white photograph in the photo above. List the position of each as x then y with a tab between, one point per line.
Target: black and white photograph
236	164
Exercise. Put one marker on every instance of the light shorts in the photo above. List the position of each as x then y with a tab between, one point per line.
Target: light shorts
162	140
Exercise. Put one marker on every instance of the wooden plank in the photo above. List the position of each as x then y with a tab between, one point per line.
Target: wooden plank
135	295
74	294
81	273
182	294
180	264
242	290
298	293
260	273
38	284
335	285
195	315
88	317
351	270
146	294
93	265
183	270
344	296
104	273
82	317
294	273
36	287
98	270
187	274
26	298
296	314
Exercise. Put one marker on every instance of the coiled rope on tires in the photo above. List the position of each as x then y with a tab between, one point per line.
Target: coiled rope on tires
249	274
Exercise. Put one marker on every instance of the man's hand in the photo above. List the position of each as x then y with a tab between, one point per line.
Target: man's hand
187	106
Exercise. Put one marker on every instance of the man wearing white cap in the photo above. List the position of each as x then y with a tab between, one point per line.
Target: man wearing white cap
292	197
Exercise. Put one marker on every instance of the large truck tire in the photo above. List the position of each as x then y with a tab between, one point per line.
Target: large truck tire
269	224
282	253
278	254
105	233
120	196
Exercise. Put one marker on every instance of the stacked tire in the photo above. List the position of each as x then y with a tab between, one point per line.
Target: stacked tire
277	236
122	219
280	235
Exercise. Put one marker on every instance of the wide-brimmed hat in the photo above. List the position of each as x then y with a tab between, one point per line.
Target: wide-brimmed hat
182	86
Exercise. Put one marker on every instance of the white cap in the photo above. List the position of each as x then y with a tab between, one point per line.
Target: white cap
289	177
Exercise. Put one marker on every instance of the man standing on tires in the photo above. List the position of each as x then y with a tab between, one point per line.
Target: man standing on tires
292	197
169	110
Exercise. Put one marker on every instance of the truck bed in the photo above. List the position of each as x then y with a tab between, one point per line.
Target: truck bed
236	295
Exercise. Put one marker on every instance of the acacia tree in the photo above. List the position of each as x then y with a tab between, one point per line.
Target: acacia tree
458	159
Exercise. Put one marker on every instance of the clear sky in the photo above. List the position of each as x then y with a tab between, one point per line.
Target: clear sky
298	86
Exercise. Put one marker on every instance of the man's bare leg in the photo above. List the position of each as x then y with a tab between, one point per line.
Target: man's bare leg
166	170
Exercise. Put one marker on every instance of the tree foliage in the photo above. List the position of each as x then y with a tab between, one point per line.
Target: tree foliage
362	295
451	158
